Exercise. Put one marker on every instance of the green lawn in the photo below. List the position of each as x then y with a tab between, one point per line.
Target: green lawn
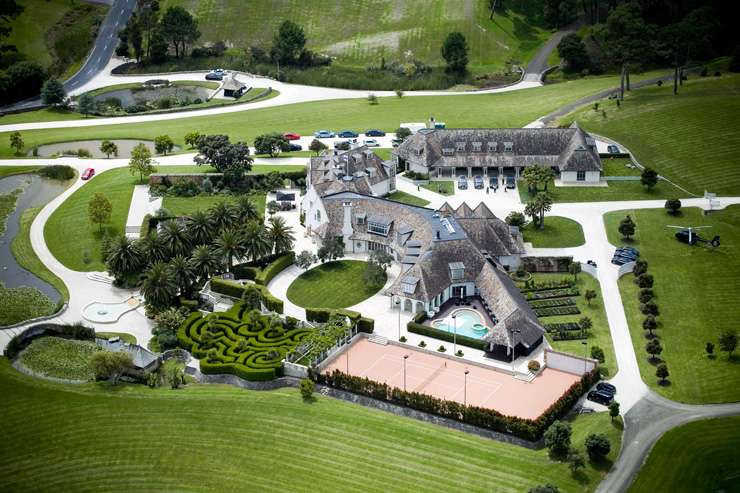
692	138
617	190
69	232
444	187
336	284
371	29
257	169
697	291
558	232
699	456
23	303
183	206
16	170
599	333
617	166
513	109
27	258
407	198
60	358
317	445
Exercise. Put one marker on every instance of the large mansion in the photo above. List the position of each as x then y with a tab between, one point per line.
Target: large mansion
499	152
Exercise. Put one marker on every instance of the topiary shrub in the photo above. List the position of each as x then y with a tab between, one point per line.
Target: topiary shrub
533	366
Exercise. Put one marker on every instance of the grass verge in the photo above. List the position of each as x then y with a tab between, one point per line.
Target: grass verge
558	232
407	198
336	284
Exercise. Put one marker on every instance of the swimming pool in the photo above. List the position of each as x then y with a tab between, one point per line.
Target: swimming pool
469	323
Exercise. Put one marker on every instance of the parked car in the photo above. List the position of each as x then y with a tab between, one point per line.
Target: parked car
625	254
375	133
214	76
342	145
371	143
396	142
606	388
348	134
633	251
620	260
493	182
87	174
600	397
294	147
324	134
291	136
478	182
612	149
462	183
510	182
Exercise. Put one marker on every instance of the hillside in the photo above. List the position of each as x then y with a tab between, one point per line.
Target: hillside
361	31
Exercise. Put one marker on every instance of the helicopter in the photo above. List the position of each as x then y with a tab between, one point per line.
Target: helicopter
688	236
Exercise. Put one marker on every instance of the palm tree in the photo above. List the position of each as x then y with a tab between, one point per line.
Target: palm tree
256	241
280	234
199	228
175	238
537	206
205	262
229	244
222	216
158	286
245	209
153	249
124	257
182	273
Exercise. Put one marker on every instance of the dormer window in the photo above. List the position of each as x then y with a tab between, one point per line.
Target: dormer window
408	284
420	151
379	225
457	271
460	146
508	146
448	151
477	146
492	146
361	218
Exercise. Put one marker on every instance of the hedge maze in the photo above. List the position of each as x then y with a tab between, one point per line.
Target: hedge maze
244	343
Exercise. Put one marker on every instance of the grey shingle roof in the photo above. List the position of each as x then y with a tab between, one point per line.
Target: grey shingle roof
568	149
140	356
330	172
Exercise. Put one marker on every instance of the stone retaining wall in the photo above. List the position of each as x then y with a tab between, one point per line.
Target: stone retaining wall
546	264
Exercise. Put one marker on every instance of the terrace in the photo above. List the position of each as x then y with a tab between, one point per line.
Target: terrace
474	319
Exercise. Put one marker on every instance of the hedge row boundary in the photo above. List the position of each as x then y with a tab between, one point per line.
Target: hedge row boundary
322	315
428	331
235	290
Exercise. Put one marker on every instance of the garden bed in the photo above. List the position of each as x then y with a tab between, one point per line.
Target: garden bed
60	358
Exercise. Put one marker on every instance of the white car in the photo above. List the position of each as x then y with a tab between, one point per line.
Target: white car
371	143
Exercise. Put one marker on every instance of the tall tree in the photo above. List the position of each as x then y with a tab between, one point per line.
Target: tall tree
16	142
163	144
222	216
86	105
270	143
141	162
728	341
158	286
180	29
455	52
573	52
245	209
99	210
108	147
205	262
280	234
153	248
199	227
111	365
52	93
233	160
256	241
649	178
124	258
182	273
175	238
537	206
289	43
229	244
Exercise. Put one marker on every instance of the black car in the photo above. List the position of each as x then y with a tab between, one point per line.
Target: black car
375	133
600	397
478	182
294	147
626	255
630	250
493	183
348	134
607	388
510	182
214	76
462	183
620	260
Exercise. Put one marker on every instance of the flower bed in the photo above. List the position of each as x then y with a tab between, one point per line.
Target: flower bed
548	303
557	310
567	326
60	358
551	293
249	345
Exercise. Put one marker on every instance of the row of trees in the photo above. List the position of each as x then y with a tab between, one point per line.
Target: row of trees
149	34
558	442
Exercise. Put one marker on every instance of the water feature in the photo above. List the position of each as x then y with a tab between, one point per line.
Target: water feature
108	312
37	191
125	146
469	323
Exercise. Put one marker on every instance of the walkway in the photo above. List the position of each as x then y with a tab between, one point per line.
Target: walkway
141	205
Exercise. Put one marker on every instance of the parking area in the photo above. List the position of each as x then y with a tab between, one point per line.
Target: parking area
446	378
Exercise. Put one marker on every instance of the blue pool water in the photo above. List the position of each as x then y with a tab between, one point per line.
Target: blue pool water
467	320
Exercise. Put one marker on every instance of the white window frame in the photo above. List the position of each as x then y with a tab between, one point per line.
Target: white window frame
492	146
580	176
460	146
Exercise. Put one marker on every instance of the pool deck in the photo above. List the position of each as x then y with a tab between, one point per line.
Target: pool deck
444	378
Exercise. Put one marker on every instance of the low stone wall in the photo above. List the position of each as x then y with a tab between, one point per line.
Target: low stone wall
546	264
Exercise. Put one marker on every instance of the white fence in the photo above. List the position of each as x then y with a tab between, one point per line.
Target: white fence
568	362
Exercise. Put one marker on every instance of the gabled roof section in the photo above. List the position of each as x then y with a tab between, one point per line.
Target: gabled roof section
482	211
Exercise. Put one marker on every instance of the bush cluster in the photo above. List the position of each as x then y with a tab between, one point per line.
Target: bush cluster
57	172
322	315
443	335
490	419
236	290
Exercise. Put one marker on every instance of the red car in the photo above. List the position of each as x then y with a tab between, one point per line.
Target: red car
88	173
291	136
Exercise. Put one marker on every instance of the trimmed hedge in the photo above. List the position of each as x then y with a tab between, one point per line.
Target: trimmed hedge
145	226
244	271
557	310
490	419
551	293
266	343
235	290
322	315
274	268
567	326
552	302
428	331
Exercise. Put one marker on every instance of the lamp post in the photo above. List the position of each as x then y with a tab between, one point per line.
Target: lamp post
347	355
513	345
465	391
398	302
405	357
585	355
454	337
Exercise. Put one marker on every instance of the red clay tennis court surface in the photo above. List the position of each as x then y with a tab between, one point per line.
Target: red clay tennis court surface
445	379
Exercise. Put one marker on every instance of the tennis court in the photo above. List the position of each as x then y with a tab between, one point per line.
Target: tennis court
445	378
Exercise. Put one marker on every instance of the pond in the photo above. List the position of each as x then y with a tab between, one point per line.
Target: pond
151	97
37	191
125	146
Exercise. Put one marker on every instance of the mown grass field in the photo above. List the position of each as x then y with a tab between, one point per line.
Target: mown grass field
599	333
558	232
22	303
512	109
693	138
699	456
38	32
363	31
337	284
60	358
617	190
697	291
52	442
183	206
407	198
